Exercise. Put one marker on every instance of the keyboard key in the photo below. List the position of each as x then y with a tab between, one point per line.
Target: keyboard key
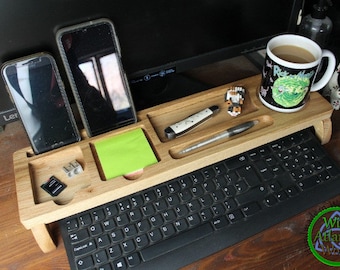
197	190
209	186
79	236
84	247
135	215
185	182
100	257
181	210
120	264
275	186
149	196
181	225
155	235
85	263
206	200
143	226
236	162
329	165
251	209
271	200
137	201
197	177
232	177
174	187
292	191
114	251
254	155
221	181
72	225
122	219
208	172
219	168
98	215
168	230
148	209
128	246
220	222
117	235
185	195
85	220
230	204
161	191
156	220
130	230
194	220
161	204
230	191
103	241
206	214
218	209
218	195
124	205
241	186
110	210
108	225
96	229
169	215
133	260
282	195
235	216
142	241
194	206
173	199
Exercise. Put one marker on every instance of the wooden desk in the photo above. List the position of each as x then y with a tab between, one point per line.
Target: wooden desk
283	246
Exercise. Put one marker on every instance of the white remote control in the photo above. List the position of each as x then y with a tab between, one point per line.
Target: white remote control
190	122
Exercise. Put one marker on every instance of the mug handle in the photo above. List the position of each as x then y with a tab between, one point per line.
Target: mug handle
328	73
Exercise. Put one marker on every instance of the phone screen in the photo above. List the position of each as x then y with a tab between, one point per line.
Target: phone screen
91	55
36	89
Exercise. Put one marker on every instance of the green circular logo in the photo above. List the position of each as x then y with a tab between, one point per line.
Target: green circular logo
324	236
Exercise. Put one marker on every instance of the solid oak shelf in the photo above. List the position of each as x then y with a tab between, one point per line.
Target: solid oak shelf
84	191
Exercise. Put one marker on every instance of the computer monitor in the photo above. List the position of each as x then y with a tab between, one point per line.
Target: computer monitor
160	39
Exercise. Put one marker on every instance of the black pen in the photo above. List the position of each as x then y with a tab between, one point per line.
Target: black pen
225	134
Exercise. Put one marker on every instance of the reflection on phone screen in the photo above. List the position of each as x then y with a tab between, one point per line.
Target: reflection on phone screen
97	78
43	108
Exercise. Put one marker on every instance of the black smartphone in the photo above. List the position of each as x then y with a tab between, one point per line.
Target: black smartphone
92	59
38	93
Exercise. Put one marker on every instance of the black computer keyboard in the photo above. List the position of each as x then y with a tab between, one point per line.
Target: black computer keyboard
193	216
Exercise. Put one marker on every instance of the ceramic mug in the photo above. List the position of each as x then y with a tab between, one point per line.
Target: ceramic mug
291	65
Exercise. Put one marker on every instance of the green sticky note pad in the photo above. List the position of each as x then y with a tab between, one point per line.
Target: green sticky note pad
124	153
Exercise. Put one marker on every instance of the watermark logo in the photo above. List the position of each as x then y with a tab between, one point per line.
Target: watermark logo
324	236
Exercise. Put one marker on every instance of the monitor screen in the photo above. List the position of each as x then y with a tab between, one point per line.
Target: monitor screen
158	38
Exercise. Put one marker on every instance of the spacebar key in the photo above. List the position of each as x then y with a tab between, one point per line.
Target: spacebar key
176	242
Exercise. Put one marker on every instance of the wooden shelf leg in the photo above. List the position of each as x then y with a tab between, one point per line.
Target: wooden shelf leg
323	130
43	238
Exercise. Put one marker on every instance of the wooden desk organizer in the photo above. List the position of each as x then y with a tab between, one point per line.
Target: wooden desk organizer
87	190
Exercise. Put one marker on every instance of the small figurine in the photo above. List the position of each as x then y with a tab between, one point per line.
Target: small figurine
234	99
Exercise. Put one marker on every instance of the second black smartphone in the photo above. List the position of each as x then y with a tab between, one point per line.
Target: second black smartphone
91	55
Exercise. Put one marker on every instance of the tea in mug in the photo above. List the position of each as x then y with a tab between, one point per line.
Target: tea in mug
293	54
